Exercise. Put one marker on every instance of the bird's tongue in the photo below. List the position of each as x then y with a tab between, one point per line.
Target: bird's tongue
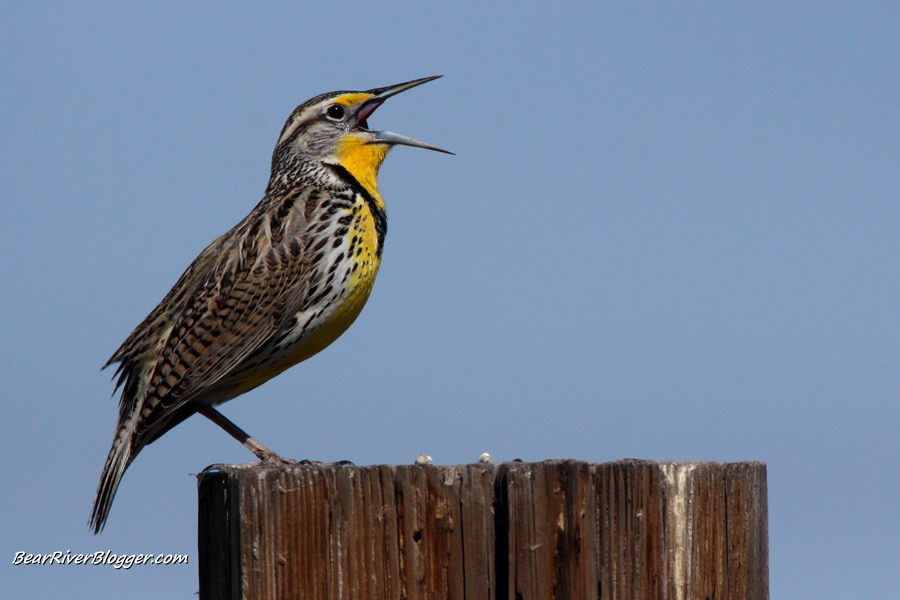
368	109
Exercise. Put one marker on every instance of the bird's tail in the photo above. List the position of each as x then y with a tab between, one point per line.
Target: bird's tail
120	456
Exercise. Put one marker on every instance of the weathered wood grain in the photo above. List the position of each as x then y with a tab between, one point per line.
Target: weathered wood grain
520	531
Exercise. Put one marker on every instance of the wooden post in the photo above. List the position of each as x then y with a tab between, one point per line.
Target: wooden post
521	531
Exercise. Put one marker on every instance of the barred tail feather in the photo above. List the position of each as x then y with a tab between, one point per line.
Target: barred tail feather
120	456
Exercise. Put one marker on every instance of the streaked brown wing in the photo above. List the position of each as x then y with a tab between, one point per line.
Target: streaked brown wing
241	304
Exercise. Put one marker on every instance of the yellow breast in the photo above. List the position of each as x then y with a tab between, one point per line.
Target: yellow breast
343	314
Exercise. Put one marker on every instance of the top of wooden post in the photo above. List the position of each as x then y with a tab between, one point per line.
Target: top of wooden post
553	529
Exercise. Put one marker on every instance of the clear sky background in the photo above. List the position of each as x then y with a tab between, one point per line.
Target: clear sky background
670	232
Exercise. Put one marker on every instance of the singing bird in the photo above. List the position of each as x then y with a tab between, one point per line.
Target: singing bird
273	291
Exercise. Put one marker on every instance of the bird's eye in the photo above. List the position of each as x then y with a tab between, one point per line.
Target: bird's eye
335	112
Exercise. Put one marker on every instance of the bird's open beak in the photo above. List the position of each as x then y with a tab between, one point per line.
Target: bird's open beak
379	95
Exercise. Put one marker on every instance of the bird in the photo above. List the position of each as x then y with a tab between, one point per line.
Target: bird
276	289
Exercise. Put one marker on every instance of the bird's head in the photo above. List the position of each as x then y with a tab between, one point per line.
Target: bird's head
333	128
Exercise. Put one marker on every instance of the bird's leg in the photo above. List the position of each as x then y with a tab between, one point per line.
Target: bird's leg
261	452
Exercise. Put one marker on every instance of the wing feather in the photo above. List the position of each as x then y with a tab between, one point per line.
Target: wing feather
236	296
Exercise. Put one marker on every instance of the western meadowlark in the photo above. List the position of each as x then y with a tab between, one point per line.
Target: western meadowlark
279	287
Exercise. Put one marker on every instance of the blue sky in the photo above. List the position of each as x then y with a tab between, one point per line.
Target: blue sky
670	232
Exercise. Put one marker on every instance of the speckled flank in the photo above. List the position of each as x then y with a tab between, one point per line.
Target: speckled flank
344	242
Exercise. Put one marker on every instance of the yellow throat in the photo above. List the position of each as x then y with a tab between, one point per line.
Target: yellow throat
362	160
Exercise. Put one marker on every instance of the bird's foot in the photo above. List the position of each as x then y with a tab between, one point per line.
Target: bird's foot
268	457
